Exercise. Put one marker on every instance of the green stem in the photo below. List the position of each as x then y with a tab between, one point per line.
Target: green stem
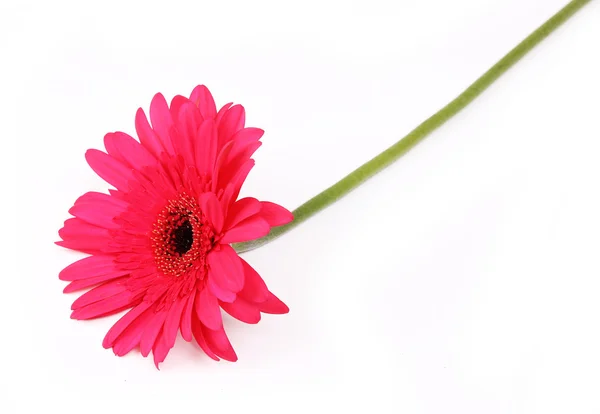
387	157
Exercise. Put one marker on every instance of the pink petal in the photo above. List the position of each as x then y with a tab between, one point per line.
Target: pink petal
186	317
82	236
233	120
219	165
249	229
95	197
153	327
234	161
162	123
218	342
147	136
227	198
99	293
242	310
75	228
222	112
202	97
188	123
247	135
274	214
105	307
92	281
241	210
160	349
255	290
208	311
242	151
206	147
273	305
238	180
219	292
109	169
176	103
133	333
226	268
211	208
88	267
98	214
199	336
171	326
76	245
123	323
130	152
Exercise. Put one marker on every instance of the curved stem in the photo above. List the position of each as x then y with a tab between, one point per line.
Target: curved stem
387	157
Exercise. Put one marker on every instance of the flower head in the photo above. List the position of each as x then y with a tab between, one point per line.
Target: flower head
159	243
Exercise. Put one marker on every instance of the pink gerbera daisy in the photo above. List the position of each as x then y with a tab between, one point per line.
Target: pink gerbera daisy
160	242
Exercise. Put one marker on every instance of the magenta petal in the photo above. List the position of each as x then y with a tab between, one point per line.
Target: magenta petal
172	321
98	214
160	349
275	214
123	323
92	197
202	98
219	165
219	292
208	311
231	160
109	169
241	210
82	236
235	159
124	148
162	123
226	268
152	330
186	317
99	293
222	112
98	209
246	135
146	134
200	339
227	198
242	310
210	206
238	180
188	123
88	267
249	229
76	228
176	103
255	290
92	281
105	306
233	120
273	305
218	342
206	147
132	334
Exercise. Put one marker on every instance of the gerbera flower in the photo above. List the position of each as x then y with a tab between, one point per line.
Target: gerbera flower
160	241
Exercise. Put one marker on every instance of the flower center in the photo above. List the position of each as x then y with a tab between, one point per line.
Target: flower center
181	237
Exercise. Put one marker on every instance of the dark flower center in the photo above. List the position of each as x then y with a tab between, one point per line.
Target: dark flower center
183	237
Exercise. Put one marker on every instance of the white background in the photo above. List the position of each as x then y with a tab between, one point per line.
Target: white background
463	279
